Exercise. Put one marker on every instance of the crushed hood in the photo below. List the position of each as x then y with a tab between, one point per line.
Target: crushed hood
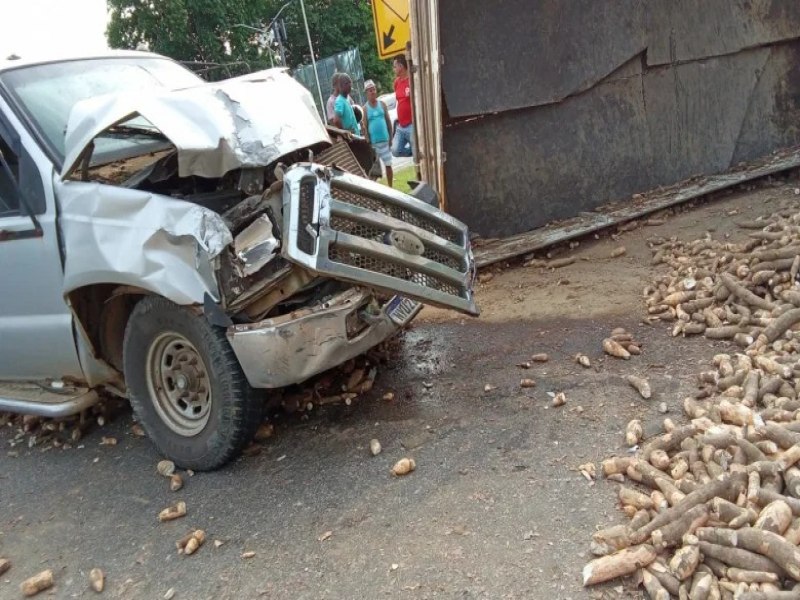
249	121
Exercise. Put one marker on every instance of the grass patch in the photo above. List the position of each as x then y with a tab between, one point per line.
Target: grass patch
401	178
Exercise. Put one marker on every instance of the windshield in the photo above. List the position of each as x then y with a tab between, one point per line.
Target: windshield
48	92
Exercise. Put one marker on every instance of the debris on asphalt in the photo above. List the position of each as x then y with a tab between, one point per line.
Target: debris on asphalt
38	583
108	441
218	543
196	540
527	383
641	385
137	430
355	379
722	515
616	565
617	252
560	399
489	387
560	262
169	594
344	385
165	468
252	449
374	447
63	433
613	348
583	360
524	365
264	432
175	482
634	432
176	511
248	554
404	466
540	358
97	580
5	565
588	470
325	536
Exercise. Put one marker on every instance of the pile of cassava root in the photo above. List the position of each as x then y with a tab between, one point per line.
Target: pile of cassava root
721	515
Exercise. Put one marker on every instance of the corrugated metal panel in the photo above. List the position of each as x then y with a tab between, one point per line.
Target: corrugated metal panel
340	155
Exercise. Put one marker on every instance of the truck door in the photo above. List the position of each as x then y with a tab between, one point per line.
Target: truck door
36	334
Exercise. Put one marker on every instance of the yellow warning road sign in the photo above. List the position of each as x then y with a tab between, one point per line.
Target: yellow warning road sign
392	27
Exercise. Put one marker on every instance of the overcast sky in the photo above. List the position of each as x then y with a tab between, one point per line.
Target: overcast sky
52	27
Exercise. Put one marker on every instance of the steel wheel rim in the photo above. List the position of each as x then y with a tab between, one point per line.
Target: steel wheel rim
179	384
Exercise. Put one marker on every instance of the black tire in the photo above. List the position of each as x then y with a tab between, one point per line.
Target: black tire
230	411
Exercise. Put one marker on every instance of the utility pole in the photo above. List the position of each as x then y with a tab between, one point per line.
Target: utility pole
313	61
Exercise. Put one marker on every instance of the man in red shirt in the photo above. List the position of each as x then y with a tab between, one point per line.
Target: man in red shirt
403	136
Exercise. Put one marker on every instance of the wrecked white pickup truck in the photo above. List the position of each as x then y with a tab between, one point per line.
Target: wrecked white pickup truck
186	244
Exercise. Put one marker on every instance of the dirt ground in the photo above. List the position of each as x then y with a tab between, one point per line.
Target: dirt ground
496	507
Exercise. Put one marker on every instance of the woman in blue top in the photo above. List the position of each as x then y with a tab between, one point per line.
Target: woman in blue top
378	128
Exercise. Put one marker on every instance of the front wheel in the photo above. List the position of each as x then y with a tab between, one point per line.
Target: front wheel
186	386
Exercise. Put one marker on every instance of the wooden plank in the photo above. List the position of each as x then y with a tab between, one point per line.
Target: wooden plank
493	251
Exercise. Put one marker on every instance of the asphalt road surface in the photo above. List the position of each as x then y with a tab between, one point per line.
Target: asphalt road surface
495	509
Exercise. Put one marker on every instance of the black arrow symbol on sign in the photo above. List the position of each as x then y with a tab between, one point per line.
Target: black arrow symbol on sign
388	40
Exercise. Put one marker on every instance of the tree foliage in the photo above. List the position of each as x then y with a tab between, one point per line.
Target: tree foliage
204	31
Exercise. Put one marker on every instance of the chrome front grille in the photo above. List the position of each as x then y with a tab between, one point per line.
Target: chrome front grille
374	236
377	205
369	232
305	210
349	257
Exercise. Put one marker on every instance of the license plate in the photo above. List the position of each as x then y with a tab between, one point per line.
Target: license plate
401	310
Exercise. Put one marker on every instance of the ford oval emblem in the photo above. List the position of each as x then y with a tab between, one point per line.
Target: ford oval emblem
406	242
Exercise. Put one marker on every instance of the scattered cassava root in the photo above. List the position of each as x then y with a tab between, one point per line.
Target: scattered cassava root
38	583
714	505
615	565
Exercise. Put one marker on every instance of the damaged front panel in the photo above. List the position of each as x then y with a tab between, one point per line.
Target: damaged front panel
256	246
246	122
199	218
355	230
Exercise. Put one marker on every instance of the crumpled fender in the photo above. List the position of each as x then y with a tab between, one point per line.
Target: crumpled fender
131	237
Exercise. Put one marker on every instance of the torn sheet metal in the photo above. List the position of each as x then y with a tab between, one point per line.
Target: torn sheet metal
256	246
245	122
130	237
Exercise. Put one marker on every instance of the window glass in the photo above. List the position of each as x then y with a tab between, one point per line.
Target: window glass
48	92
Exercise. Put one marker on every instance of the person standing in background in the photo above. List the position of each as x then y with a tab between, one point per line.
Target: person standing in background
344	117
378	128
404	135
329	110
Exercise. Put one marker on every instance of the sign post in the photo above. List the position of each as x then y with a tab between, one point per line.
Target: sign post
392	26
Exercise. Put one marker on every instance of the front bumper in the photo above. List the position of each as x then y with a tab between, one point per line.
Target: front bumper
293	348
